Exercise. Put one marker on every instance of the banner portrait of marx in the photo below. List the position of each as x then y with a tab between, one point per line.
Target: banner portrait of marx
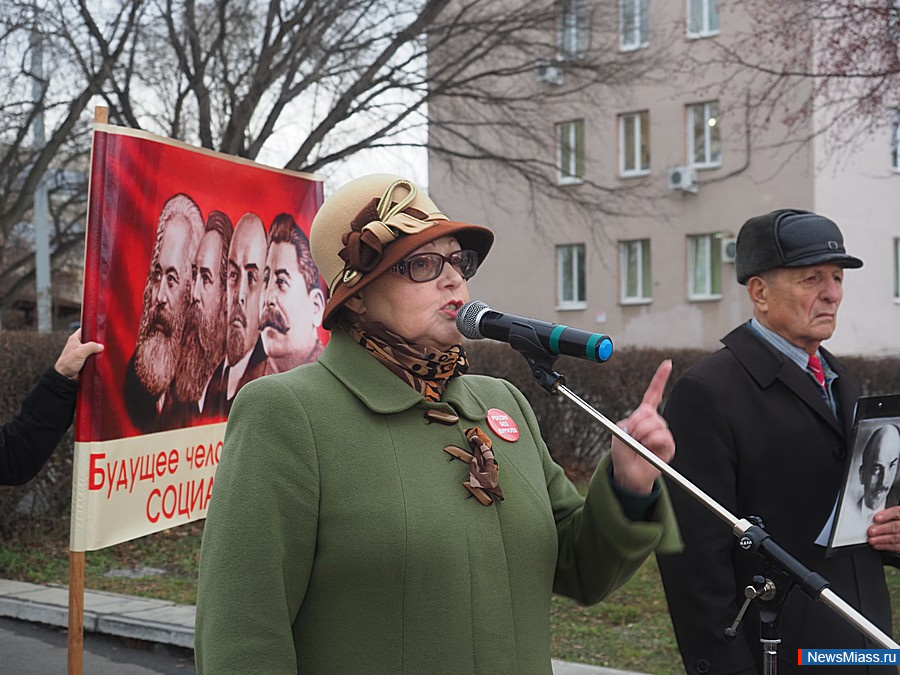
198	279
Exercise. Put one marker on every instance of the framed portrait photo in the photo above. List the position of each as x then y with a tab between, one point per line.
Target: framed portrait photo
872	481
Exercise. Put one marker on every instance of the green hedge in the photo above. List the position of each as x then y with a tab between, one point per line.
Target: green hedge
616	387
575	439
613	388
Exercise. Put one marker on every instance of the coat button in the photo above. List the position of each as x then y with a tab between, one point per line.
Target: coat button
442	417
702	666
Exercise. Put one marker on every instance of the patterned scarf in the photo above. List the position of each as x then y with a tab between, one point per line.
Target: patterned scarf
425	369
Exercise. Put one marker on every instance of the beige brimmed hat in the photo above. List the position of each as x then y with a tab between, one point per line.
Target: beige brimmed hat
369	225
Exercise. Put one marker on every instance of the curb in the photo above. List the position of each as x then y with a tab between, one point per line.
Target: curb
107	613
144	618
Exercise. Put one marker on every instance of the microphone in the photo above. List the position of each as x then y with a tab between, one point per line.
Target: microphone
475	320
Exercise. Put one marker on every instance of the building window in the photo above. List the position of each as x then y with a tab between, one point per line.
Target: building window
635	31
634	144
895	141
894	21
704	267
634	267
703	18
571	29
896	270
570	151
704	134
570	276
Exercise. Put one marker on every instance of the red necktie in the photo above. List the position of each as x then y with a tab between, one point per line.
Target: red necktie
815	367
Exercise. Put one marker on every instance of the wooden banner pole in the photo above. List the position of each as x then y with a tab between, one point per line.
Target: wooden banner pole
76	612
76	558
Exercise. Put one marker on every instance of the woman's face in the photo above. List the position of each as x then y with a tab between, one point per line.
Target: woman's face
423	313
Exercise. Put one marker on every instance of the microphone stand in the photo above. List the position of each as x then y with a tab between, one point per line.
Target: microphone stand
781	570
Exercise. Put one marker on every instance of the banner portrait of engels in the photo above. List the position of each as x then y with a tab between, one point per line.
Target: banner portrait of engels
198	279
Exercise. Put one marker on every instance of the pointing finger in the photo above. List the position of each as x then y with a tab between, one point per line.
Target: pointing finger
653	395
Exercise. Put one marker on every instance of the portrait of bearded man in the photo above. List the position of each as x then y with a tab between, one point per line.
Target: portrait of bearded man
870	480
151	370
203	341
244	354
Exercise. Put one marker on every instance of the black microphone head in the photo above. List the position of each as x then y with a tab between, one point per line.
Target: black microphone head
467	319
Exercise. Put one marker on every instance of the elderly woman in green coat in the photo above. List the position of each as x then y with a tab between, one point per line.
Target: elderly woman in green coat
380	511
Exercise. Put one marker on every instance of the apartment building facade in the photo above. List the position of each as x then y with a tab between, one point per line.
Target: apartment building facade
685	155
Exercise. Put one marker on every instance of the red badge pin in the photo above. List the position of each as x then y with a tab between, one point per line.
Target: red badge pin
502	425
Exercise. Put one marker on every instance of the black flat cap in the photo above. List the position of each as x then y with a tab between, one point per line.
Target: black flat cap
788	238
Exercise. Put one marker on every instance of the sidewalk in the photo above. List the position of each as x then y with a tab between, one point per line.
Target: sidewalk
108	613
142	618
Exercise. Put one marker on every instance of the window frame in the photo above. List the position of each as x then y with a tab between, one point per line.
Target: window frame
709	162
636	36
895	140
641	120
897	270
571	29
893	21
570	166
644	275
713	275
578	279
708	9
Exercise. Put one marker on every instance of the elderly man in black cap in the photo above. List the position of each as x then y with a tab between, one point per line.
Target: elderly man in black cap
763	426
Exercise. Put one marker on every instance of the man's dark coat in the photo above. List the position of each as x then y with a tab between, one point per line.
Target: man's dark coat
752	431
218	404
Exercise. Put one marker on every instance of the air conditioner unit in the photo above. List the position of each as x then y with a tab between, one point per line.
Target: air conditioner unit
729	244
548	71
683	178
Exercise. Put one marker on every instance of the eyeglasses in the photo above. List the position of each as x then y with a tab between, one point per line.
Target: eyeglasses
428	266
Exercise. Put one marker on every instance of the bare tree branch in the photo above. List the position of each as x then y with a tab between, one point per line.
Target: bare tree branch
308	84
837	58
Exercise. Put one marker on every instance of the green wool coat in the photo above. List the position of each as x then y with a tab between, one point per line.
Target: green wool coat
340	538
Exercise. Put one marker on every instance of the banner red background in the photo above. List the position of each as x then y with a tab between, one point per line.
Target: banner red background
131	178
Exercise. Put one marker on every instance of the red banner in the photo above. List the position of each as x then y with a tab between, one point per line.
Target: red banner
198	279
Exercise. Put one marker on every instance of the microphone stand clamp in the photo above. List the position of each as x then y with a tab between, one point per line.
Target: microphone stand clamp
524	340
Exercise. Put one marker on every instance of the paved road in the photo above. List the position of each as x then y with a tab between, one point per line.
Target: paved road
38	649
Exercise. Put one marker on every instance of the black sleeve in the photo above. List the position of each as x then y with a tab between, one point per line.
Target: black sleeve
700	585
28	440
